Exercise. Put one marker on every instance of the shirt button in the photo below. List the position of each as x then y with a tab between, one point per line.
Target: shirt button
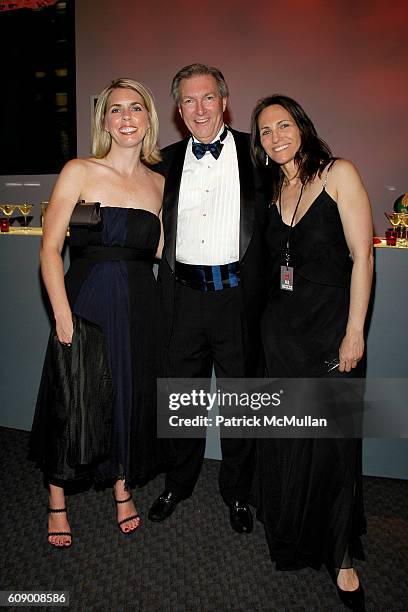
202	242
204	214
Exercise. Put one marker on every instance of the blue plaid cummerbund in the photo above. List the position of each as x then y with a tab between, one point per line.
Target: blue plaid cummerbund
208	278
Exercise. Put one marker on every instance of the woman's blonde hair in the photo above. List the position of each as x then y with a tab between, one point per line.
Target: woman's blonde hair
102	140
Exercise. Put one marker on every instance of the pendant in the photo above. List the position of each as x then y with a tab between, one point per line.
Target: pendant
286	278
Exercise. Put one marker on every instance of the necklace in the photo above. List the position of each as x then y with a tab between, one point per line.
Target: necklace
286	272
293	216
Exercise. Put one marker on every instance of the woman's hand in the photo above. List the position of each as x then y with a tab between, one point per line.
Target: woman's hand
65	328
351	351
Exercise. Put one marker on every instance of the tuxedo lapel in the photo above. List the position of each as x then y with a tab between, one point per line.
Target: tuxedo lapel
247	191
172	189
170	201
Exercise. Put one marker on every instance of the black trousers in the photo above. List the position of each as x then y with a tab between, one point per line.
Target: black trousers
210	330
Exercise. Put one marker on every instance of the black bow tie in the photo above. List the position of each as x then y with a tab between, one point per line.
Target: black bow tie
200	149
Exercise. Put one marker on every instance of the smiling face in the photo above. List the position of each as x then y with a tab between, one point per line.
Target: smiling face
126	118
279	134
202	107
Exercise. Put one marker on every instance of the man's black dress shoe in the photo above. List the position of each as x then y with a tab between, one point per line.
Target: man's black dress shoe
164	505
241	517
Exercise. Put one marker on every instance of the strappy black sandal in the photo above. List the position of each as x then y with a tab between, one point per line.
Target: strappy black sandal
127	519
59	533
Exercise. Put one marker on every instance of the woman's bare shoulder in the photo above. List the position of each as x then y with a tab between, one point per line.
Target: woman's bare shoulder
74	177
343	169
79	165
157	178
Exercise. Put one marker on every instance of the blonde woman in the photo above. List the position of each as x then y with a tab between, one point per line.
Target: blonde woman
111	284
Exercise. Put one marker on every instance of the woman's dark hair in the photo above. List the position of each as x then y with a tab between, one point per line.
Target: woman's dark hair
313	155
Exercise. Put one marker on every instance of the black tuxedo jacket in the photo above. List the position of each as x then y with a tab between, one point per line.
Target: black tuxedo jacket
252	248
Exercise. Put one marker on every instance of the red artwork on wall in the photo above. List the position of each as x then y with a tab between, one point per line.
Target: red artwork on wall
9	5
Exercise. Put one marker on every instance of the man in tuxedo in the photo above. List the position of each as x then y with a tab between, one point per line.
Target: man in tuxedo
212	275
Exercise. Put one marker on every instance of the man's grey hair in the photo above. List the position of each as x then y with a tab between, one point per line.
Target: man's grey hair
196	70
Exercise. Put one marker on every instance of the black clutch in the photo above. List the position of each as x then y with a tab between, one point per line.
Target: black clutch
86	214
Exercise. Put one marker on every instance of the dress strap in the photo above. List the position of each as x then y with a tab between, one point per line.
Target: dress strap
326	175
325	179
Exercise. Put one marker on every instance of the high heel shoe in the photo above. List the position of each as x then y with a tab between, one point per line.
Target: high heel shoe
354	600
128	518
59	533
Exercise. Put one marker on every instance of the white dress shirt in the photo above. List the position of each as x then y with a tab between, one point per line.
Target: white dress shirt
209	207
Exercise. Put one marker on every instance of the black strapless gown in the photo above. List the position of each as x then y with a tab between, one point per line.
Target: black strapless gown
309	491
122	298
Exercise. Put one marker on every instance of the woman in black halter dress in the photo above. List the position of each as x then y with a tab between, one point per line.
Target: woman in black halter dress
320	241
110	283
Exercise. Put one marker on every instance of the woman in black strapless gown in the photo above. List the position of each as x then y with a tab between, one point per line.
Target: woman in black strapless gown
320	241
110	283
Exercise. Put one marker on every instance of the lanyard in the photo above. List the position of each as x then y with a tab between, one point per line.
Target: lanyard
287	253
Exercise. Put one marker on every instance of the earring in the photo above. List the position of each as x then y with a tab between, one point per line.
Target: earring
266	159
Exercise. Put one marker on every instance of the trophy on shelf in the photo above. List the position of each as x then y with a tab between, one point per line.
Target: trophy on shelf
401	204
404	228
25	210
393	235
398	235
8	210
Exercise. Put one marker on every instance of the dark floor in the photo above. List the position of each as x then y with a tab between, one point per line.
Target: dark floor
192	562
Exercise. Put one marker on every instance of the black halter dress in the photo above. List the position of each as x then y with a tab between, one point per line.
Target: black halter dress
309	491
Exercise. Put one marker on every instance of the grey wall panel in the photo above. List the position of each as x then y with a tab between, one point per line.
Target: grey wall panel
25	326
25	329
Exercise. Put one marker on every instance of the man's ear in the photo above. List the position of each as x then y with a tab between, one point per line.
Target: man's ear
224	104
